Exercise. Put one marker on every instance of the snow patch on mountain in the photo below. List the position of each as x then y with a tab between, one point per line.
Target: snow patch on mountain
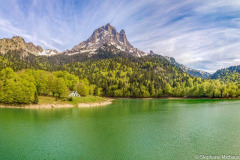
47	52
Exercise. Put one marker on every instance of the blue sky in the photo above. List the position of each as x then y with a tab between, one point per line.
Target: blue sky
202	34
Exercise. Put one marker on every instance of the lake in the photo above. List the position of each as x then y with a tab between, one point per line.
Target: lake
127	129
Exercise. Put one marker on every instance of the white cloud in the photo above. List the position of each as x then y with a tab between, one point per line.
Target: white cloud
57	41
47	45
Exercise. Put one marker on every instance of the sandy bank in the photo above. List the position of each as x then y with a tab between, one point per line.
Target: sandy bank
38	106
55	105
107	102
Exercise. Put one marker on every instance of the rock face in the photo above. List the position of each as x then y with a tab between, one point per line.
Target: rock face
192	72
152	53
18	44
106	34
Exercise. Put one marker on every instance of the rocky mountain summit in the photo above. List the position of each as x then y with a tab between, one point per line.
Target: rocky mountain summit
17	43
106	35
151	53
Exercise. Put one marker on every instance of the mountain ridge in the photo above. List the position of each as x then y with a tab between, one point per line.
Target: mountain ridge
102	35
192	72
231	74
103	38
18	43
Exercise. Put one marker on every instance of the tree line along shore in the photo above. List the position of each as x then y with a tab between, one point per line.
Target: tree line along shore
41	87
25	87
49	102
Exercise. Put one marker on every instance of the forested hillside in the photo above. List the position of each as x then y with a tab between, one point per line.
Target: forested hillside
24	86
231	74
149	76
110	72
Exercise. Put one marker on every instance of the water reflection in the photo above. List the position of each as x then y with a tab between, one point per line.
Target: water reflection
127	129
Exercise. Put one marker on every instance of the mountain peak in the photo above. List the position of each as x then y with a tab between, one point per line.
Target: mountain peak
122	32
108	28
151	53
18	38
17	43
109	25
106	34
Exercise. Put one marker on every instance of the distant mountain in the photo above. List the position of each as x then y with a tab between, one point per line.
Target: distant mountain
17	43
192	72
105	35
228	74
105	42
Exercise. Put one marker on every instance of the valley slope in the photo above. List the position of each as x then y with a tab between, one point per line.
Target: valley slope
230	74
105	35
108	65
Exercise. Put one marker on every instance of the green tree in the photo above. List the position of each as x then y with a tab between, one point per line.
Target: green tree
167	90
60	88
82	89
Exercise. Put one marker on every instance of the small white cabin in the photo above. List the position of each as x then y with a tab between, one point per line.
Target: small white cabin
74	94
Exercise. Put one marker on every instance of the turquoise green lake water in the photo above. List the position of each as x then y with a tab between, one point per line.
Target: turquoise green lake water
127	129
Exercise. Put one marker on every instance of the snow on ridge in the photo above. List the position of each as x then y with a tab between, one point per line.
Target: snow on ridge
47	52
